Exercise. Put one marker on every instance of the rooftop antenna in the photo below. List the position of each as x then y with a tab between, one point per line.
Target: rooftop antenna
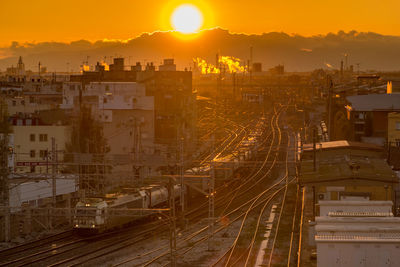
251	55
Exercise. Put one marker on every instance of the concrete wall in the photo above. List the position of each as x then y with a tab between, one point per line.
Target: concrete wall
116	88
23	145
25	104
380	123
353	254
121	129
393	132
376	192
354	206
33	193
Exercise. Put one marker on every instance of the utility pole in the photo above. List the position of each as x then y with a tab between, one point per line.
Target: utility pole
172	240
211	200
53	179
315	149
330	85
53	171
5	184
182	198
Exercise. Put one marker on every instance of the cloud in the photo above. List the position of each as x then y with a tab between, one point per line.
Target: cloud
298	53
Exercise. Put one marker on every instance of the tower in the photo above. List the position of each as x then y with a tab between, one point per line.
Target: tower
20	67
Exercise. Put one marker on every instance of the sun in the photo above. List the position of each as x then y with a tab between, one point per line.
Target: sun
187	19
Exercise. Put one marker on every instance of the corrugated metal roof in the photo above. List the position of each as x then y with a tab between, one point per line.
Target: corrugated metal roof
341	144
375	102
393	237
341	167
359	214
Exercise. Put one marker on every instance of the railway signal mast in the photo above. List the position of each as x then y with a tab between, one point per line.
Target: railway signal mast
211	194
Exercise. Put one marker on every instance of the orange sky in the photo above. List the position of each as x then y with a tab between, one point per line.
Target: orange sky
68	20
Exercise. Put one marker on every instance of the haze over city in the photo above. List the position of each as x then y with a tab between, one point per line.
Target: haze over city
312	33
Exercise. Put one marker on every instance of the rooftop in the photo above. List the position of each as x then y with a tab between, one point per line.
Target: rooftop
345	167
383	102
342	144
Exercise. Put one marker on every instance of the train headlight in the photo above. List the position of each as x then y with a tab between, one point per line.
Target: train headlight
76	225
93	226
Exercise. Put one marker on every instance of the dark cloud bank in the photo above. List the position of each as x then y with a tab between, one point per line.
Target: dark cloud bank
297	53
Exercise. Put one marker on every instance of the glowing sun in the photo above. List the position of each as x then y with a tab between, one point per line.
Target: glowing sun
187	19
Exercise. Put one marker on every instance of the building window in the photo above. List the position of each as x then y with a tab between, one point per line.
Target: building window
23	102
43	154
107	88
32	153
31	99
398	125
14	103
32	137
43	137
397	141
359	127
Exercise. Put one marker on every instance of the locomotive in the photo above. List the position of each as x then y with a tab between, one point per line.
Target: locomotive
96	215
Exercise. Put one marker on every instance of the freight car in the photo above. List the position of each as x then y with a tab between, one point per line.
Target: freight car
96	215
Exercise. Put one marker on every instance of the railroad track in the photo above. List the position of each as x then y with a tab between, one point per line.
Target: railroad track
75	252
113	249
224	201
16	250
239	255
281	251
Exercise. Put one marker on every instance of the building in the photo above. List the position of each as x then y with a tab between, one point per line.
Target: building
174	108
168	65
350	207
116	73
369	116
33	145
127	114
38	192
394	128
357	233
18	71
344	170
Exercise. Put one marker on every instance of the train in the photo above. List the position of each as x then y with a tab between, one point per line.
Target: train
97	215
226	165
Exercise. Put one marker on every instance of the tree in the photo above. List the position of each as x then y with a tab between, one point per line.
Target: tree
87	139
87	134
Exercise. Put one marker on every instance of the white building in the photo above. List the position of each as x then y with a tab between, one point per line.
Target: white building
335	208
33	145
40	192
126	113
357	233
